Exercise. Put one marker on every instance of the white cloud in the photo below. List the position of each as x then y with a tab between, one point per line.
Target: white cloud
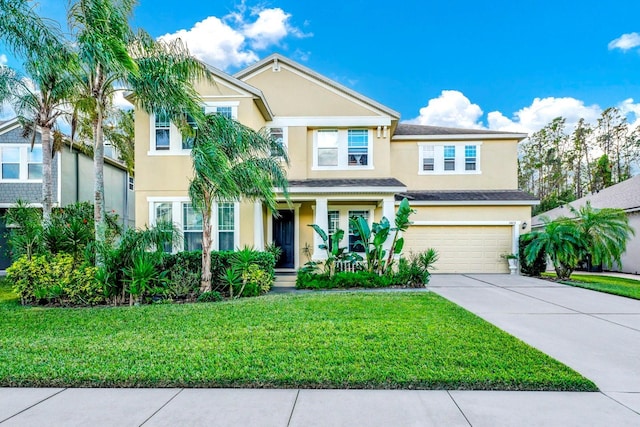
120	102
451	109
541	112
6	111
231	41
625	42
3	59
629	109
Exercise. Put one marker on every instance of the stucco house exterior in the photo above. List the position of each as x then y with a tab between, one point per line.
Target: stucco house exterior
349	156
72	169
624	195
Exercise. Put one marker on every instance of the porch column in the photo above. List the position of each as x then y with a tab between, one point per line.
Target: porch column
389	211
258	227
321	219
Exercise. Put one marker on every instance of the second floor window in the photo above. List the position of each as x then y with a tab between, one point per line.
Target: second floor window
187	140
449	159
342	149
10	162
163	128
20	163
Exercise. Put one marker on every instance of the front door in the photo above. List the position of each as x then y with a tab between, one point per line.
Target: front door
283	237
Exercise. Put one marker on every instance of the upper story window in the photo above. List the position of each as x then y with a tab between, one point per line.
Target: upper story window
162	131
451	158
280	137
342	149
20	163
358	147
166	138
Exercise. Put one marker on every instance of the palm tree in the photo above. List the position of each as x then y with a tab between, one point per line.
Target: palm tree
39	99
112	57
603	232
232	162
562	243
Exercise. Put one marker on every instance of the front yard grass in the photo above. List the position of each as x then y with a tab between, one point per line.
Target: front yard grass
343	340
612	285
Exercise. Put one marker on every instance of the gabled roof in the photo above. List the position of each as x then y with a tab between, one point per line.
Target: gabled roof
470	196
412	131
277	58
624	195
257	93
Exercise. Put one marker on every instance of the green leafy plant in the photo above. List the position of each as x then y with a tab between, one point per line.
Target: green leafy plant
274	250
210	296
332	248
144	278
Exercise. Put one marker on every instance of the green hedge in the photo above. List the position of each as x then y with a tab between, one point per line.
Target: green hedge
345	280
538	266
185	269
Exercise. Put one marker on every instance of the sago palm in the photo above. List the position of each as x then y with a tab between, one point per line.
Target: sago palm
561	241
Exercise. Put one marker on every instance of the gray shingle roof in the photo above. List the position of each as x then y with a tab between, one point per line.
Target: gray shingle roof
625	195
468	196
356	182
409	129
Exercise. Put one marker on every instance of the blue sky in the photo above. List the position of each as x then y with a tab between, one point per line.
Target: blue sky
503	65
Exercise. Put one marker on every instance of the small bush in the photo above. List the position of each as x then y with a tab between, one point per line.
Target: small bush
211	296
55	280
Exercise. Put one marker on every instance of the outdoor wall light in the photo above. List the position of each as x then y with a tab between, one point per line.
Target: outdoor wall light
524	225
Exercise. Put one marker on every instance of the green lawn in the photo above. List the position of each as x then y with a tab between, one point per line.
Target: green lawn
342	340
609	284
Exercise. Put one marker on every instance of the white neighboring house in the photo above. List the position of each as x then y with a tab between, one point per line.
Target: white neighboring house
72	169
626	196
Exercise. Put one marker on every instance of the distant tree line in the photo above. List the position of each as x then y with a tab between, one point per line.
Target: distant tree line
558	167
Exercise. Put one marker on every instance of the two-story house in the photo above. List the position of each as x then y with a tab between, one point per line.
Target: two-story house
349	156
72	169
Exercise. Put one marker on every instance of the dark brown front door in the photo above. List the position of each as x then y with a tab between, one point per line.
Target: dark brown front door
283	237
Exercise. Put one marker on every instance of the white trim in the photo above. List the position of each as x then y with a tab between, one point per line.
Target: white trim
296	231
342	190
168	199
330	121
23	163
463	137
473	203
59	178
10	205
464	223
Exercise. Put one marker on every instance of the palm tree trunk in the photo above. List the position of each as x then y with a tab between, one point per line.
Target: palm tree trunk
47	176
98	167
205	283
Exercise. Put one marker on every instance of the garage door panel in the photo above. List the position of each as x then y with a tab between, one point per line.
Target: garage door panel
463	249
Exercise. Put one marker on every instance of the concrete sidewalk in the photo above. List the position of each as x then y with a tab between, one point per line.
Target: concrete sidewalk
242	407
595	333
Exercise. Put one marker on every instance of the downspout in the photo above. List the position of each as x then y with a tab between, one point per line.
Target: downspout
77	173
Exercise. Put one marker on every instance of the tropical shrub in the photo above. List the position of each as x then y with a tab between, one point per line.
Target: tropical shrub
210	296
56	279
539	264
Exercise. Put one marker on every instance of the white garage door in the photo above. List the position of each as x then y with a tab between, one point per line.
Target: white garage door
463	249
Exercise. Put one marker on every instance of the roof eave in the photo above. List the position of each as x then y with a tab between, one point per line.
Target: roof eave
464	137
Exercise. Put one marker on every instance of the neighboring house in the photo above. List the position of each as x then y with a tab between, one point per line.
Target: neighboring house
349	156
21	179
626	196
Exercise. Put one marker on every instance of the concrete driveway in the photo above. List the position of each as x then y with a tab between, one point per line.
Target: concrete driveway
596	334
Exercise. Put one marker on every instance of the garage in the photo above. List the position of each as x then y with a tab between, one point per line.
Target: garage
463	249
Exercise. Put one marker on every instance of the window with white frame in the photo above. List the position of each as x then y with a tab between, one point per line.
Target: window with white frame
225	111
342	149
19	162
470	157
449	158
187	140
183	216
164	214
162	131
229	109
338	218
191	228
358	147
226	226
353	238
10	162
279	135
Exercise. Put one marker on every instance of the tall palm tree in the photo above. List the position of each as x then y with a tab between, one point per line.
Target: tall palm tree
41	97
603	232
561	242
112	57
231	162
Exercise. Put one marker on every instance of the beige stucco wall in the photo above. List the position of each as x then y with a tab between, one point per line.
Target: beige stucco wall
498	166
290	94
473	213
